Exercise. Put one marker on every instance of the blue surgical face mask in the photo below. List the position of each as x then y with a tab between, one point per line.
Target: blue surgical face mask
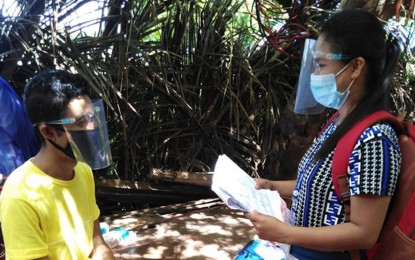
324	90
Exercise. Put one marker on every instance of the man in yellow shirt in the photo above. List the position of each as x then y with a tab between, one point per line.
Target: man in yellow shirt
47	206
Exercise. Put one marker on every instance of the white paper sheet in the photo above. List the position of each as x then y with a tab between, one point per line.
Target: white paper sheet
237	189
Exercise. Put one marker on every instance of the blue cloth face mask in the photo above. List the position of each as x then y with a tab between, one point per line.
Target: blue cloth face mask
324	90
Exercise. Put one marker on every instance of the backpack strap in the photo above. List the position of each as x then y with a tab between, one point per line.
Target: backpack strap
345	147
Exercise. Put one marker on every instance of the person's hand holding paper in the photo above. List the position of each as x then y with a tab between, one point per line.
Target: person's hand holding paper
238	190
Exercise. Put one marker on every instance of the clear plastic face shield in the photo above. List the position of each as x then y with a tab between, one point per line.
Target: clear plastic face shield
320	86
304	101
88	136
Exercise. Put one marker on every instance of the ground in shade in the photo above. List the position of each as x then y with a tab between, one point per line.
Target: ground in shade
204	229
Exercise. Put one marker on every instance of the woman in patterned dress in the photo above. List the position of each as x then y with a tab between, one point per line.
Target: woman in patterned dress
354	61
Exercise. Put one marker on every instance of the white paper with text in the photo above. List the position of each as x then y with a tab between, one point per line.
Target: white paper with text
237	189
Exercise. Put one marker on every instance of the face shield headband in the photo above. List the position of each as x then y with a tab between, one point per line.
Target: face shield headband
305	103
88	136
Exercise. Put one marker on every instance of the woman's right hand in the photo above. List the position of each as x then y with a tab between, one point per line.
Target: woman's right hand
263	184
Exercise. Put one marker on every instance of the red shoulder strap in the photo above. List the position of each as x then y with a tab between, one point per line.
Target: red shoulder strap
346	144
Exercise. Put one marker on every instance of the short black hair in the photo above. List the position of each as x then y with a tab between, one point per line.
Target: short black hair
47	95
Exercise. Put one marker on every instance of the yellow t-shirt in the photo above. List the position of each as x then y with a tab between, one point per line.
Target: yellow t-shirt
43	216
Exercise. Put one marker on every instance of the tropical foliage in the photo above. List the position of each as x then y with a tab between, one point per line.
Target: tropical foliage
183	81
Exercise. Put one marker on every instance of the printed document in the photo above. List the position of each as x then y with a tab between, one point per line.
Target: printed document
237	189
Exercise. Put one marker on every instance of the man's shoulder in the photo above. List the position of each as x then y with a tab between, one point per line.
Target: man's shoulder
81	166
20	176
82	169
21	172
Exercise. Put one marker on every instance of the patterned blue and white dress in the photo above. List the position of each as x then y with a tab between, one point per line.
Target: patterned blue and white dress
373	169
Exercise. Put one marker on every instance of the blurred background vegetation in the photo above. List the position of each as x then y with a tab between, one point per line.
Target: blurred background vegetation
184	81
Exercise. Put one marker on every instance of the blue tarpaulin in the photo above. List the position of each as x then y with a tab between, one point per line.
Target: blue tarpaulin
18	141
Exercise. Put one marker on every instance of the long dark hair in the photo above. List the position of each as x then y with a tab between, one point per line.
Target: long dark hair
357	33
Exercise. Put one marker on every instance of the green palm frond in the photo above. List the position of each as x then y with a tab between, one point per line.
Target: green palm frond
183	81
